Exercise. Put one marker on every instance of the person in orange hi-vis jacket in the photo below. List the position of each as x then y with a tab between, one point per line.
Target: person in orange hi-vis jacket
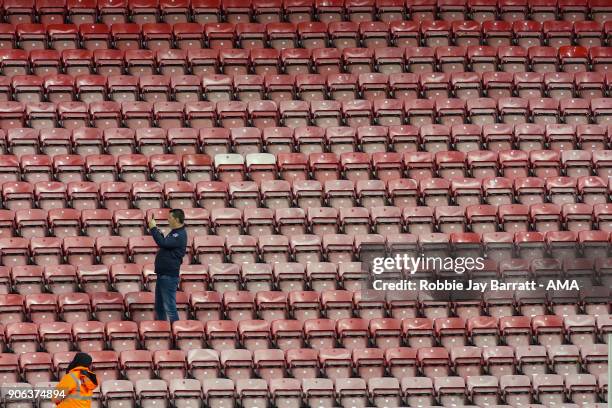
77	386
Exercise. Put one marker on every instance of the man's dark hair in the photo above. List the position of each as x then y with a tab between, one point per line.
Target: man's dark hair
178	214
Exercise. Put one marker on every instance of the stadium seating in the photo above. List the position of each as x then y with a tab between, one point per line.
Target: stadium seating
303	138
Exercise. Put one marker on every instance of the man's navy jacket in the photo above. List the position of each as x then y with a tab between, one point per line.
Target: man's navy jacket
172	249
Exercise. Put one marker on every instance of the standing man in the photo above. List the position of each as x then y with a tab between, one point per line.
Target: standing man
172	249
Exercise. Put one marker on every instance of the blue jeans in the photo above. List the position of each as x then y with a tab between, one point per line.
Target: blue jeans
165	298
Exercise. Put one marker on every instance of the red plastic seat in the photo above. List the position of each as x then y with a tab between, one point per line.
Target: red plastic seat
156	36
7	36
206	11
590	84
140	62
112	249
93	36
89	335
417	332
390	10
265	61
91	278
342	87
30	36
170	364
14	62
557	33
573	59
528	33
573	10
27	88
588	33
188	36
156	336
548	388
466	33
600	110
203	364
304	305
335	363
93	88
113	13
466	86
436	33
405	33
358	60
201	61
326	60
250	36
451	59
497	33
374	34
36	367
482	58
21	337
75	307
106	62
312	35
44	62
221	335
529	84
543	59
433	361
435	85
17	196
591	137
126	36
234	61
12	115
574	111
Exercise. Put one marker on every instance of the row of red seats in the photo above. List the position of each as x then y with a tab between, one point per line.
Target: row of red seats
303	248
294	114
564	222
336	365
293	301
311	35
569	218
207	10
312	392
354	174
15	11
499	247
315	275
482	205
320	276
303	305
294	169
381	145
575	203
169	94
551	390
64	280
349	333
323	167
480	59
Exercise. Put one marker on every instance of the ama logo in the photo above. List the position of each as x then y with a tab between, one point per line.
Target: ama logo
562	285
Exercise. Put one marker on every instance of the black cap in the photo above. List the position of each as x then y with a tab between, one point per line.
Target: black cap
80	360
